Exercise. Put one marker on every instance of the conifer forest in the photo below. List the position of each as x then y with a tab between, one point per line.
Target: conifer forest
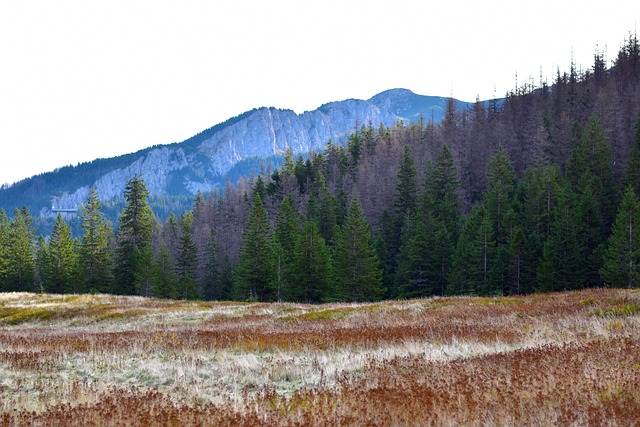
536	192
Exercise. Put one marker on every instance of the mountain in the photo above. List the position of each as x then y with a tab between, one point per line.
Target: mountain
223	152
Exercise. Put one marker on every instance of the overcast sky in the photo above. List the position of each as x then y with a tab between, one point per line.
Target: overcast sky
86	79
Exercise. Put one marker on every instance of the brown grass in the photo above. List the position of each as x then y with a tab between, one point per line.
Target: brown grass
565	358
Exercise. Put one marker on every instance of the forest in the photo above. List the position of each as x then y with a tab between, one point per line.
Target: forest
536	193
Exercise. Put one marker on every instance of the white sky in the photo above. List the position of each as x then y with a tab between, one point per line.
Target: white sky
86	79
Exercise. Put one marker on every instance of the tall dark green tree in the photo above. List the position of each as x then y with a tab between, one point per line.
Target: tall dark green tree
591	166
255	273
416	260
561	265
473	257
358	274
95	257
632	171
441	190
61	272
405	198
4	249
20	269
187	259
499	201
210	282
165	281
134	236
311	275
622	257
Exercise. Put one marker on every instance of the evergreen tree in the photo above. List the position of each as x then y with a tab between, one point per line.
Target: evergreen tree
4	249
560	266
187	259
20	274
94	254
622	257
499	201
591	166
62	263
416	259
441	192
472	260
405	199
42	262
255	273
311	272
632	171
145	275
284	241
134	236
165	281
358	274
212	285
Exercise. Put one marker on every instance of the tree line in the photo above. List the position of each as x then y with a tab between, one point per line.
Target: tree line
536	193
550	229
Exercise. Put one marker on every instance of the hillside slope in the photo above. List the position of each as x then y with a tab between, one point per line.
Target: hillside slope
205	161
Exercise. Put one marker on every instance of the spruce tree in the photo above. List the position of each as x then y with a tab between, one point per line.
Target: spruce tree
632	171
255	273
187	259
164	281
4	249
61	269
20	275
469	264
358	274
311	273
591	166
134	236
441	191
622	257
561	265
212	285
416	261
94	254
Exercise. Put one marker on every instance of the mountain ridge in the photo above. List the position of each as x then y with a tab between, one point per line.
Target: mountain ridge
203	161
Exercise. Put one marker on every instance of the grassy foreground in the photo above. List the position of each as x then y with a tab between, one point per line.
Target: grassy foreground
545	359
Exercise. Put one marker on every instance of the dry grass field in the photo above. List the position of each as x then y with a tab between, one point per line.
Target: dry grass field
83	360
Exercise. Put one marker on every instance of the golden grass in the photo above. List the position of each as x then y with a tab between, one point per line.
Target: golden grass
565	358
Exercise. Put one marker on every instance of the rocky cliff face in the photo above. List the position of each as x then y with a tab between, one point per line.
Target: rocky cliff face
203	161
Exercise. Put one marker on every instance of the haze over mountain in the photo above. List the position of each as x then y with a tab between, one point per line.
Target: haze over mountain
241	145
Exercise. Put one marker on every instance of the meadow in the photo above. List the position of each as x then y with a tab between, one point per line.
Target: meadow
542	359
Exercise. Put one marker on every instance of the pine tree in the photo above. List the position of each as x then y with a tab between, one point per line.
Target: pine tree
560	266
20	275
61	261
469	265
187	259
311	273
622	257
499	200
591	166
441	191
632	171
405	199
212	285
94	254
416	261
42	262
134	236
255	273
358	274
145	275
4	249
165	281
